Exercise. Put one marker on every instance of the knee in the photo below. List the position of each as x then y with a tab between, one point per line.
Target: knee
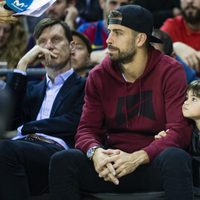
62	159
175	158
6	147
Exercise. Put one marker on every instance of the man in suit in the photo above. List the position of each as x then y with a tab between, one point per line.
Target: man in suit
47	113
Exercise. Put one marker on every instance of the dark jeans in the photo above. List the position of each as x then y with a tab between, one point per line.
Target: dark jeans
71	173
24	167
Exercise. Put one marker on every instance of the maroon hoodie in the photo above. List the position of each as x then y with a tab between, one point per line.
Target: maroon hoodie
122	115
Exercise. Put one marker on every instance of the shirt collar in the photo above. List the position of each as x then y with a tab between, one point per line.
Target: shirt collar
60	78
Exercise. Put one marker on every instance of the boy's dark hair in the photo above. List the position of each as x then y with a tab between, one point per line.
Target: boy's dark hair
84	39
194	86
47	22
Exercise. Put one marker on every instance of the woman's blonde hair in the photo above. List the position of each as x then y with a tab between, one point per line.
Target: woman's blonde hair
15	46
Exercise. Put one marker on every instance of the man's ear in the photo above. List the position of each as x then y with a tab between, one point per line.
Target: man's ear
141	39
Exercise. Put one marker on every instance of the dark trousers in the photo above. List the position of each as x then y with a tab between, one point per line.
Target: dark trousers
24	167
71	173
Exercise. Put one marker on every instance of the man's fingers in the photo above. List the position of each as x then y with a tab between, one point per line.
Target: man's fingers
111	151
193	61
47	55
111	169
104	173
122	173
112	179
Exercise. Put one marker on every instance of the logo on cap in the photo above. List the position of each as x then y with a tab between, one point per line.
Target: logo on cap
19	5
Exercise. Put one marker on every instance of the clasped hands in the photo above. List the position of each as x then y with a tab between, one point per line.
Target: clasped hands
113	164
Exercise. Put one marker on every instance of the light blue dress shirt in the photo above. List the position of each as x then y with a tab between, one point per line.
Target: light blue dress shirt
51	92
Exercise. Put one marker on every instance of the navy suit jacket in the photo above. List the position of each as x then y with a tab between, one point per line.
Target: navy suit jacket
65	113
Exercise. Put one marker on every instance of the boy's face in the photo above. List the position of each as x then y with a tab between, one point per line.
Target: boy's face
191	106
80	56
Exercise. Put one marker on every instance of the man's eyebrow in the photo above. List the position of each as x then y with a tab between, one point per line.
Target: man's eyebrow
116	29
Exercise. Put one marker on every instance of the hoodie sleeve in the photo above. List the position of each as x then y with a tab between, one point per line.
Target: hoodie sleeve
90	131
179	130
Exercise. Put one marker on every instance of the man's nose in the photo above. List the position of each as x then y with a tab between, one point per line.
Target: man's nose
49	45
109	39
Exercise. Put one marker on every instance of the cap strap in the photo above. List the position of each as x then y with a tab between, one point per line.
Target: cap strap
114	21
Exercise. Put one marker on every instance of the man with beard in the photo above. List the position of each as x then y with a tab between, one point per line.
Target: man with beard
133	94
185	33
47	113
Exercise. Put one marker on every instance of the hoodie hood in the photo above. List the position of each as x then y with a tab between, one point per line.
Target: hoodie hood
113	68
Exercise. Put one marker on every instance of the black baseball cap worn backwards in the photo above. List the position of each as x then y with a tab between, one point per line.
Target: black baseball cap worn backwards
137	18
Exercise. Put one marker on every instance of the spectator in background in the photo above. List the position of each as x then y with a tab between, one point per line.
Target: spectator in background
46	114
161	9
80	57
97	31
184	31
89	10
62	9
167	48
13	43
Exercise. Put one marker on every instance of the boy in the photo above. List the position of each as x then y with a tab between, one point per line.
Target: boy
191	110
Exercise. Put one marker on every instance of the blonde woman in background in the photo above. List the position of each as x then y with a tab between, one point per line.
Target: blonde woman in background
13	42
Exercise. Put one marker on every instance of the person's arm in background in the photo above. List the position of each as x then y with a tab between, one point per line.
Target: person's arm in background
17	81
98	55
71	15
189	55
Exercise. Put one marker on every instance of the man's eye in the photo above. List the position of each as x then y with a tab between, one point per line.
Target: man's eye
118	32
41	41
56	39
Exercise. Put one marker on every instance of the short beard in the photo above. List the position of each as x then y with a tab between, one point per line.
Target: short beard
124	57
192	19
